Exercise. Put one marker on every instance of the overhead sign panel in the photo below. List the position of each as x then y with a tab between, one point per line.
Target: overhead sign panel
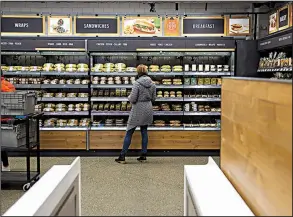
96	26
22	25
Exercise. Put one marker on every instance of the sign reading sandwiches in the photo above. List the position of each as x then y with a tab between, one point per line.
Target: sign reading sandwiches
22	25
203	26
239	26
142	26
96	26
283	17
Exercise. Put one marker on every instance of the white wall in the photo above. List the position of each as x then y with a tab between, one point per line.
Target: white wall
121	7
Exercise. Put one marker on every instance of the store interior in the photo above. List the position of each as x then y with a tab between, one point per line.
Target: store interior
81	61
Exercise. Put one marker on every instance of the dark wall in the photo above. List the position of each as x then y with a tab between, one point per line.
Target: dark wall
247	58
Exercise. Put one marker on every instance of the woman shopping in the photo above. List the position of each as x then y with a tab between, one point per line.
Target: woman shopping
142	96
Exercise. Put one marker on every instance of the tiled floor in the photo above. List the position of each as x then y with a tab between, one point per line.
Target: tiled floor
154	188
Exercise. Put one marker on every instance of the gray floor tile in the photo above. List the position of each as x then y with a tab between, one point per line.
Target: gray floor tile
153	188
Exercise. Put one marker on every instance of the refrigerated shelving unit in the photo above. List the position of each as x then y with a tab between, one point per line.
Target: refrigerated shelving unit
143	51
190	135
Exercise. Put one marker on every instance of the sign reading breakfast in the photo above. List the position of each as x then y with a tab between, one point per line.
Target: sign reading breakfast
239	26
142	26
25	25
95	26
203	26
284	18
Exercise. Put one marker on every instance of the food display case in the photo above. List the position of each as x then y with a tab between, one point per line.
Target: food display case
276	56
60	77
83	90
188	81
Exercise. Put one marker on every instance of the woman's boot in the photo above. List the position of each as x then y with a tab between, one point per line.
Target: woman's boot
121	159
142	158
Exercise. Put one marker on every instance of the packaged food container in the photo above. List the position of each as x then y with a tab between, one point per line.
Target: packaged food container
220	68
193	67
72	123
48	65
213	81
213	68
187	81
200	67
71	65
62	81
70	81
46	81
193	81
60	95
207	81
61	123
50	122
48	109
72	95
207	68
82	65
83	95
77	81
48	95
54	81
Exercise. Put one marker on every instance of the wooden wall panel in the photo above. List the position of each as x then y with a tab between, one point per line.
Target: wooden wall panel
167	140
256	143
63	140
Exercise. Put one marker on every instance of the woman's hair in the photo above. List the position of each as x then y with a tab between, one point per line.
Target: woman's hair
142	70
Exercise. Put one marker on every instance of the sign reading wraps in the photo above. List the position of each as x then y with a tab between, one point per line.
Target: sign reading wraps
203	26
96	25
284	17
22	25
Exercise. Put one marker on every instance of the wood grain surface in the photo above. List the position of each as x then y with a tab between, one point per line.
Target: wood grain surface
63	140
167	140
256	143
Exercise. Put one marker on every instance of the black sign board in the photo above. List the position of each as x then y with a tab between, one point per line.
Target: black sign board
110	45
42	44
284	18
204	26
70	45
279	41
96	25
210	44
121	44
18	45
33	25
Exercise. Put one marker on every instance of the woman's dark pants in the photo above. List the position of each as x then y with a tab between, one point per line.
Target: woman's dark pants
128	137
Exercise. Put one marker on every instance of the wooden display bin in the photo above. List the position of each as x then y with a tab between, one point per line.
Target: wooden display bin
65	140
256	148
160	140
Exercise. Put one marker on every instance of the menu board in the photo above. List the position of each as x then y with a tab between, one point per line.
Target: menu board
274	42
95	26
203	26
22	25
273	24
239	26
142	26
283	18
172	26
59	25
